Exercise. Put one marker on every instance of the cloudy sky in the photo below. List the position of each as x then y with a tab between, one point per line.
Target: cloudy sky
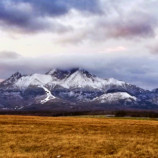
110	38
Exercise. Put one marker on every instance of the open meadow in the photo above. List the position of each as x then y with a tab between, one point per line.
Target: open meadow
77	137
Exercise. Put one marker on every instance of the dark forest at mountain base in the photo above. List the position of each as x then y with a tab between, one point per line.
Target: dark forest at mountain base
118	113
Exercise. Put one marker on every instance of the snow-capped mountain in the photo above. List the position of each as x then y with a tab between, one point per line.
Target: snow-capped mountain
74	87
75	78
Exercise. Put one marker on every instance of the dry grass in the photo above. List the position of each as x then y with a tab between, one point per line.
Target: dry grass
70	137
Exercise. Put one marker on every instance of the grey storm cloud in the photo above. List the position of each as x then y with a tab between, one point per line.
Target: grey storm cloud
136	25
56	7
128	20
9	55
31	15
115	19
153	48
120	20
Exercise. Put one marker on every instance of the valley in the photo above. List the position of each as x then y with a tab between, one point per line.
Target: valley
79	137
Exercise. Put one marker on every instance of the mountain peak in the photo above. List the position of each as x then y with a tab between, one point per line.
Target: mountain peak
17	75
82	71
58	73
62	73
13	78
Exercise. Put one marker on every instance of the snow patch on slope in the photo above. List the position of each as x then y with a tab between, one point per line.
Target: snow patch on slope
113	97
49	95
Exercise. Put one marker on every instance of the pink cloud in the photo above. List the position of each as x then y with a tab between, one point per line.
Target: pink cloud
1	79
116	49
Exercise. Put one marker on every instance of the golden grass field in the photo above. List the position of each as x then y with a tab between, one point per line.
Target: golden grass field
75	137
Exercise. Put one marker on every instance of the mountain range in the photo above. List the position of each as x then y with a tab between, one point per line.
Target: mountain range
72	90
